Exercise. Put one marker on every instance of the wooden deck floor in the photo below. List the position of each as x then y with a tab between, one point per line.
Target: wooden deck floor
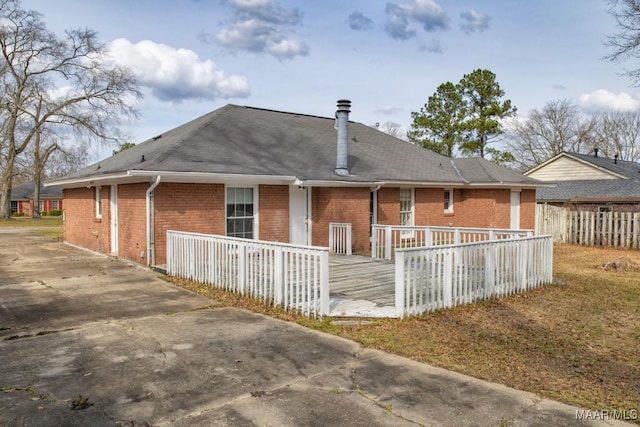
361	286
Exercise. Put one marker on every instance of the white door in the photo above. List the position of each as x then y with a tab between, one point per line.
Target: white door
515	210
114	219
298	215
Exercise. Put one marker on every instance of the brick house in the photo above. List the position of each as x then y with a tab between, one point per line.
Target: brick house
278	176
22	199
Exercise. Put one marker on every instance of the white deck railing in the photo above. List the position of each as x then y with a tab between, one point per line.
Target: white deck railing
444	276
340	238
294	276
386	239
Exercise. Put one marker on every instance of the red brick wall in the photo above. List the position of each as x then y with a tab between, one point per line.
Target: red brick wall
197	208
273	205
486	208
389	206
81	227
349	205
132	222
528	209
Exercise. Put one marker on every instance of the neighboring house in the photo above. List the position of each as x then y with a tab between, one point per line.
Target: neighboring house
22	199
278	176
589	183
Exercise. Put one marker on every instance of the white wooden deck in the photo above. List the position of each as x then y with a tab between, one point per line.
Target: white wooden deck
360	286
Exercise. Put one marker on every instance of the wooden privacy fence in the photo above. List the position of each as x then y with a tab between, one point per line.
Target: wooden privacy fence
619	229
385	239
293	276
437	277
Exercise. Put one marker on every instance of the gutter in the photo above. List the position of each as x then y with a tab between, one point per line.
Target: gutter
151	250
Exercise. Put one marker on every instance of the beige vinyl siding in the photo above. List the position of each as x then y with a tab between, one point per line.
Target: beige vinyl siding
566	169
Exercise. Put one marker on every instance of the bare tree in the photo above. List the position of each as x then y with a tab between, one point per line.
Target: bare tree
52	85
392	128
557	127
618	133
66	160
625	42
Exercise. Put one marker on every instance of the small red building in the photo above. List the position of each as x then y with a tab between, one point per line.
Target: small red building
22	199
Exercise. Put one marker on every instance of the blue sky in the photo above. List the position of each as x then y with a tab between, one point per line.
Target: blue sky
387	57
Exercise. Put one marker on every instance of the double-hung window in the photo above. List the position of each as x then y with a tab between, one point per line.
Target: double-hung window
14	206
240	212
406	206
448	201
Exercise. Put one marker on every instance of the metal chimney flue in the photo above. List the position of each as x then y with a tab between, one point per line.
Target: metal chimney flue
342	118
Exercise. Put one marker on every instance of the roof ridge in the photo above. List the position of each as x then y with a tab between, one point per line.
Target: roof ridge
284	112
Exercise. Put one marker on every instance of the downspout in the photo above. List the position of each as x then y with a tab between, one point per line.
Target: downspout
151	250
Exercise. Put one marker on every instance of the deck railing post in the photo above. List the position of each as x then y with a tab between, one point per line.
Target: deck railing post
387	242
278	273
242	268
400	273
447	280
489	273
324	283
169	254
374	241
348	230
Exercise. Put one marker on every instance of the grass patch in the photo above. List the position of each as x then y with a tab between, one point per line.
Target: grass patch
578	342
48	226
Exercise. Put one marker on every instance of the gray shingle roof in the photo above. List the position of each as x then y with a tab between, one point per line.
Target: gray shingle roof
25	191
254	141
622	167
591	189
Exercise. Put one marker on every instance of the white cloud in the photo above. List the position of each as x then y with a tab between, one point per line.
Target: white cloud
474	21
176	74
603	100
261	26
359	22
427	13
389	110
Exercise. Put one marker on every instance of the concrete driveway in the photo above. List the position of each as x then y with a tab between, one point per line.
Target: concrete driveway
91	341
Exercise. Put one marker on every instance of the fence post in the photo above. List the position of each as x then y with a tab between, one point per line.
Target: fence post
447	280
400	303
456	236
524	263
489	273
348	239
169	254
387	242
374	241
278	276
242	268
324	283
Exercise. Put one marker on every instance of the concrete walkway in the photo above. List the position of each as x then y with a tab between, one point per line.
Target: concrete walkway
125	348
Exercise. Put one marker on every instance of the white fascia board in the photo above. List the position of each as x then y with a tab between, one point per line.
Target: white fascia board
322	183
89	180
419	184
509	185
210	178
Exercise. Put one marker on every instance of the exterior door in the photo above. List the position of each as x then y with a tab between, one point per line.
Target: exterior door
298	215
114	218
515	210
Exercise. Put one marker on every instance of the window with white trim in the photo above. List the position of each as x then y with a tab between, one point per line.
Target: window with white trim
98	197
448	201
55	204
14	206
240	213
406	206
40	206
